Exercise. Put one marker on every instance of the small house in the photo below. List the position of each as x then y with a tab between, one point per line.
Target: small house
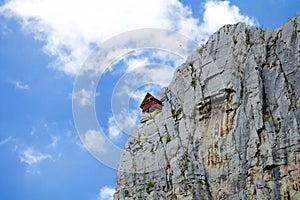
150	103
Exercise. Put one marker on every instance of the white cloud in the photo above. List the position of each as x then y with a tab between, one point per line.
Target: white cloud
167	58
21	86
32	132
123	121
219	13
106	193
141	76
140	93
33	171
145	68
71	28
94	141
4	30
54	140
31	156
6	140
134	64
84	97
113	129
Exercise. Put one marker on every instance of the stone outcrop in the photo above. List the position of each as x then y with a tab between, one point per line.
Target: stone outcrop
229	126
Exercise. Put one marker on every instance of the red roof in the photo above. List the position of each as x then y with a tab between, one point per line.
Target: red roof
149	101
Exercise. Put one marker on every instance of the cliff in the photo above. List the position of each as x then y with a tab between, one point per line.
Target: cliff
229	125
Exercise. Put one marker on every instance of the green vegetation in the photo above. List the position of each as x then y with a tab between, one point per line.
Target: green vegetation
193	83
152	151
173	111
138	141
175	115
184	181
167	137
200	49
149	185
266	114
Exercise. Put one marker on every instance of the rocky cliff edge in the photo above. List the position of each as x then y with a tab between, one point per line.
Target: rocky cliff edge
229	126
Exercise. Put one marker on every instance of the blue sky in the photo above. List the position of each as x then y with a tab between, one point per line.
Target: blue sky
43	45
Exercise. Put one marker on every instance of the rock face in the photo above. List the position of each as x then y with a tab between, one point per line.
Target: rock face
229	126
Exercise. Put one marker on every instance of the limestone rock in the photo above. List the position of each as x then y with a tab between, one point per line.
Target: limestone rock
229	126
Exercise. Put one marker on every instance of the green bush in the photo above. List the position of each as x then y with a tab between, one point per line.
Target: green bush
149	185
200	49
167	137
